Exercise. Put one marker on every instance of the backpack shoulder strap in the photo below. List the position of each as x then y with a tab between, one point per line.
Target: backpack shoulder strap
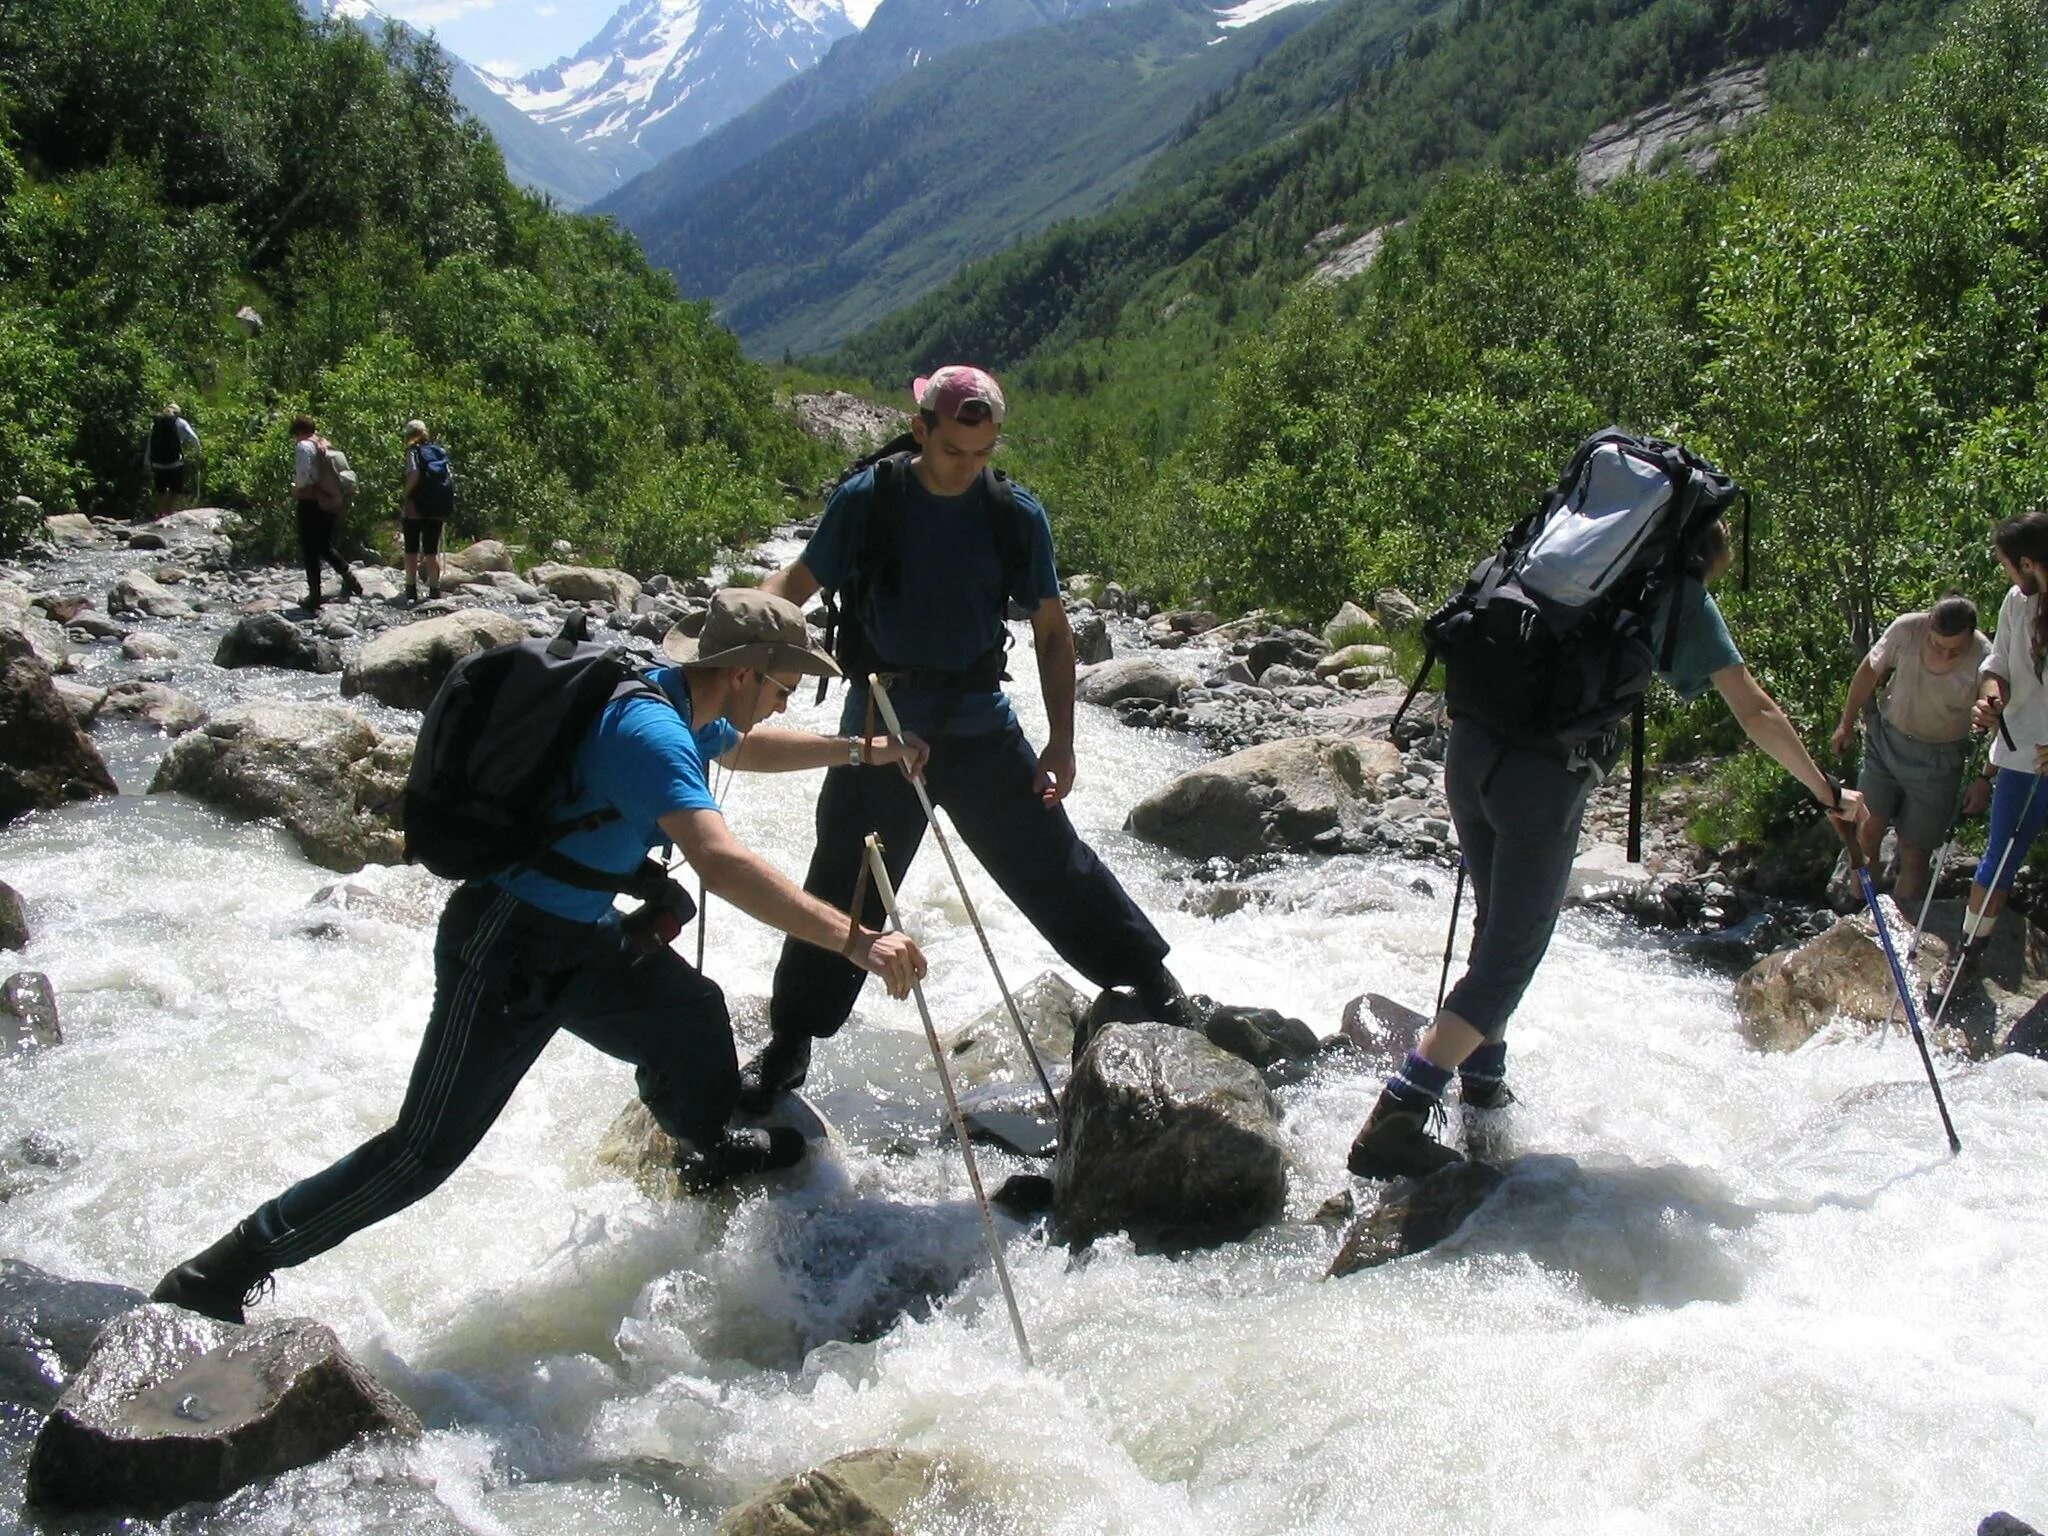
883	534
1013	541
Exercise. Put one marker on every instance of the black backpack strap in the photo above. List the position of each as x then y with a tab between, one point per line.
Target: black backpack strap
1394	725
1636	733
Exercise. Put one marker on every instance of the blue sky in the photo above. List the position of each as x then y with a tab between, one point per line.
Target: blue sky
509	36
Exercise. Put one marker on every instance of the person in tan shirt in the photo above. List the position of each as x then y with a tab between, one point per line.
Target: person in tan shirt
1916	739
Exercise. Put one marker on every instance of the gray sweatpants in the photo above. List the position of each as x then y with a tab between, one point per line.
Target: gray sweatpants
1517	811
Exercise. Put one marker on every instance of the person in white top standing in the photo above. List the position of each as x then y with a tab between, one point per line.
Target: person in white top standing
2012	700
1916	746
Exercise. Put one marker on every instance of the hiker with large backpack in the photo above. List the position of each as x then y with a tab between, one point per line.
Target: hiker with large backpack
428	504
322	487
1548	650
170	445
543	773
925	548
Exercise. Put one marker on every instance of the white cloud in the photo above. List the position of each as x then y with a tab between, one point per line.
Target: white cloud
434	13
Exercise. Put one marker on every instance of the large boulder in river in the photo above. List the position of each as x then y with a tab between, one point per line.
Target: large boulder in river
335	783
404	667
272	640
862	1493
45	759
1129	677
986	1047
47	1327
156	1418
1278	795
1169	1138
155	704
138	593
13	919
28	1013
587	584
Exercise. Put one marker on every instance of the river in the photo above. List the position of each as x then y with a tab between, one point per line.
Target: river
1721	1290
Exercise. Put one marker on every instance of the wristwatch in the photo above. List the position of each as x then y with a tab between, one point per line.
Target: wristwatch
856	752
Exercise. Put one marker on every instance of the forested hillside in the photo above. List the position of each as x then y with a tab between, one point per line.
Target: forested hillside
165	162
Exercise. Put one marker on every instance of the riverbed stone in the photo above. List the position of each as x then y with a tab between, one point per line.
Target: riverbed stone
1264	1037
156	704
586	584
483	555
1348	622
862	1493
138	593
45	759
47	1328
1786	998
404	667
28	1013
272	640
1396	610
1414	1214
147	1425
70	530
1277	796
335	782
1169	1138
1353	657
986	1047
1092	644
13	918
1129	677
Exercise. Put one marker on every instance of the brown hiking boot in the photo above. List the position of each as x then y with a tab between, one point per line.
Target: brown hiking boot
1394	1142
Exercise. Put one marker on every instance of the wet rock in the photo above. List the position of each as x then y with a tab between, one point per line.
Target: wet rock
1787	998
1129	677
1265	1037
137	593
83	702
70	530
1415	1214
1279	795
47	1328
1337	1210
272	640
1013	1115
987	1047
1603	873
1166	1137
403	667
586	584
13	918
2003	1524
1379	1026
1091	640
28	1013
145	1426
336	783
154	704
862	1493
635	1145
45	759
144	646
1023	1196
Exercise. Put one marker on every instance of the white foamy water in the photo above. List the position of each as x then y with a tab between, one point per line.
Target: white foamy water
1722	1291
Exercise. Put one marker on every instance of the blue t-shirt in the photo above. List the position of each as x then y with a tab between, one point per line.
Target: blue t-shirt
644	759
947	613
1704	644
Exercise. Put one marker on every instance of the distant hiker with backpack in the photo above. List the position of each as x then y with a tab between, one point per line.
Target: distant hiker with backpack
1916	739
925	548
1548	650
537	946
322	485
429	503
167	454
2013	704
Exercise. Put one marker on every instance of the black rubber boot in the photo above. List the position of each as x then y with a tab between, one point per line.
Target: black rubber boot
219	1282
739	1152
1394	1143
781	1065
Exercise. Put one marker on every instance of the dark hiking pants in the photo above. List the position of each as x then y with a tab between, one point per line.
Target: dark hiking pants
985	785
316	527
1517	811
507	976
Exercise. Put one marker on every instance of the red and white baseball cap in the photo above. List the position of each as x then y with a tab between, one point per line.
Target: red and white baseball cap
961	392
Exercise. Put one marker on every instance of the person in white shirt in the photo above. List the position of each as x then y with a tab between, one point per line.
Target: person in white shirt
2012	700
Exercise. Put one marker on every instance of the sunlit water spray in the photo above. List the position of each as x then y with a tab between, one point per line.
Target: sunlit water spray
1721	1291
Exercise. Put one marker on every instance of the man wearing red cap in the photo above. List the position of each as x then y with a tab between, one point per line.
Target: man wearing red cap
926	551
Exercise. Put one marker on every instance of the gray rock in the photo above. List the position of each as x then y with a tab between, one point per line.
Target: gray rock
1275	796
1129	677
141	645
1238	671
272	640
1348	620
1352	657
404	667
28	1013
136	592
1689	126
1379	1026
849	423
1603	872
986	1047
483	555
155	704
47	1328
70	530
1265	1037
335	783
45	759
862	1493
13	918
1113	598
1280	675
88	627
144	1427
1413	1215
586	584
1092	645
1395	610
1166	1137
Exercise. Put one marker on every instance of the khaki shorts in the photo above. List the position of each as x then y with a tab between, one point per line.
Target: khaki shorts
1911	783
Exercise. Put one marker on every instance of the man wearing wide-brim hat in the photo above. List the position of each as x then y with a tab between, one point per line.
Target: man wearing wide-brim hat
522	954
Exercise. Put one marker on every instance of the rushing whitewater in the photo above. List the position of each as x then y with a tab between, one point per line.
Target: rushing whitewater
1721	1291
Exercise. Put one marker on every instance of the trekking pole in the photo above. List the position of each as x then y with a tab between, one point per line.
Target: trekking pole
1973	923
1891	954
881	697
880	874
1450	935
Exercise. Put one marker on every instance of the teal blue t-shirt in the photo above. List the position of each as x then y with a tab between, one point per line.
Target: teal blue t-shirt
947	613
644	759
1704	644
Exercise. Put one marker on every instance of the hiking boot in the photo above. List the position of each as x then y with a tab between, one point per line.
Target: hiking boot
219	1282
350	585
1965	966
1394	1142
1162	999
1488	1093
433	594
412	593
310	601
780	1065
739	1151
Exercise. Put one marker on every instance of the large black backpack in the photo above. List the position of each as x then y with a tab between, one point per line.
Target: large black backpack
166	444
878	568
498	747
1549	642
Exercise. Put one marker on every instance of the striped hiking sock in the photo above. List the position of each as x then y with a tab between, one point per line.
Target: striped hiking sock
1420	1083
1486	1067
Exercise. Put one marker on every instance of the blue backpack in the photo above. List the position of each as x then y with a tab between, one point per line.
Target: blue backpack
434	496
